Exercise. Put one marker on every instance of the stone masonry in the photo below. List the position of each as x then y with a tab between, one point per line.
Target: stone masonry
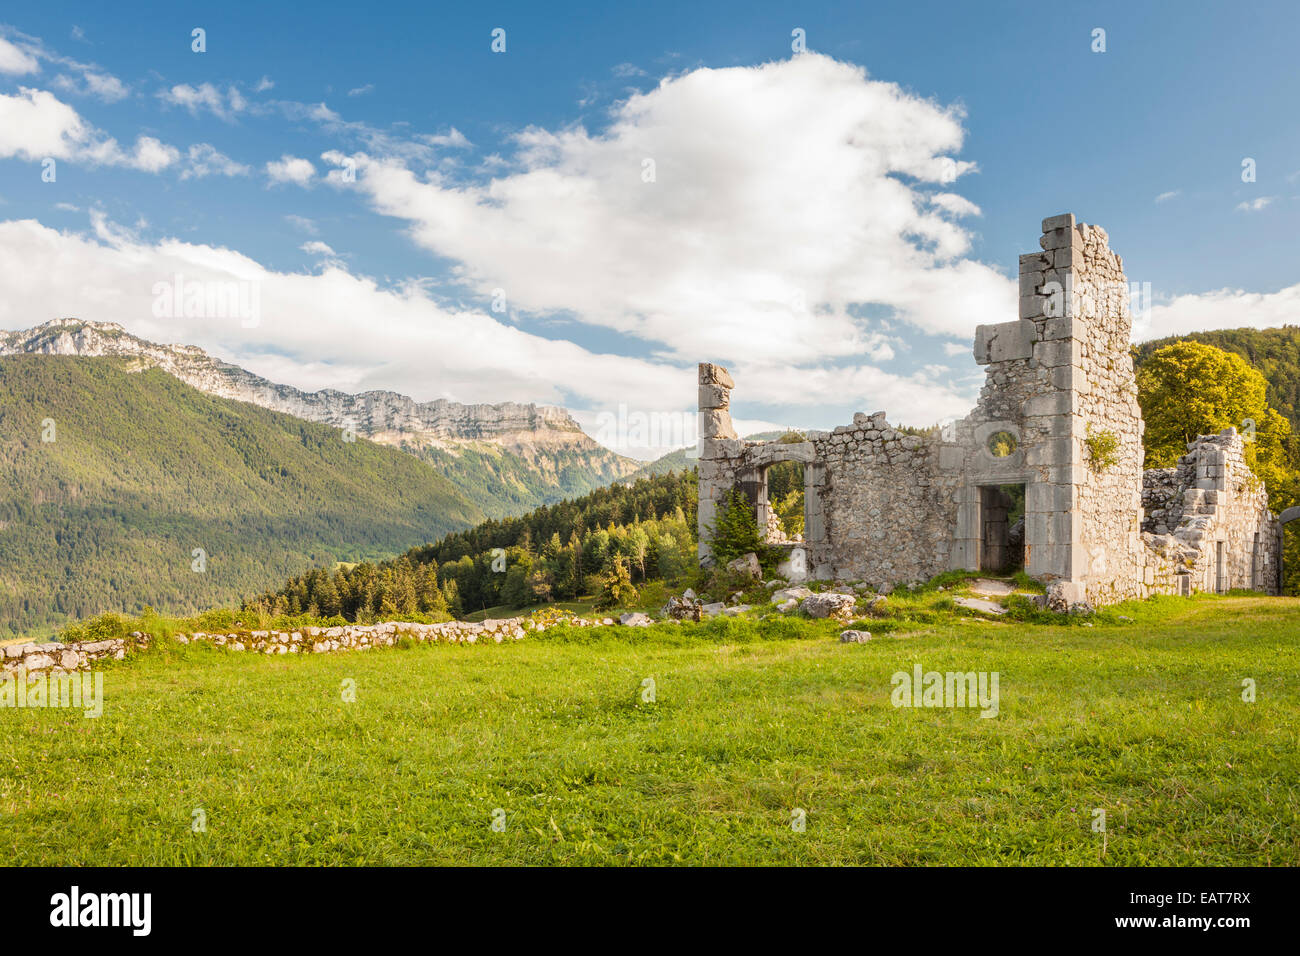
1058	417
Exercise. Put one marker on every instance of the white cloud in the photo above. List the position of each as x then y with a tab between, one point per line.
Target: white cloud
101	85
336	329
16	61
264	84
290	169
205	96
205	160
1220	309
362	90
302	223
1255	205
35	125
955	205
782	195
151	156
317	248
1165	197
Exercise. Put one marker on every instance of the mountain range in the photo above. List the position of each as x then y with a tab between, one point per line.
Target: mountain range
143	474
507	457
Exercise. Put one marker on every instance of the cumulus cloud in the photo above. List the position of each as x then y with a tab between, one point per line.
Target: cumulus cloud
205	97
290	169
35	124
16	61
104	86
337	329
1255	205
317	248
734	214
1220	309
204	159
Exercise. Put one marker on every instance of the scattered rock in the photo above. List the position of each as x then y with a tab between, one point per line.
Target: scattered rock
830	604
854	637
683	609
711	610
746	564
635	619
979	604
990	588
785	594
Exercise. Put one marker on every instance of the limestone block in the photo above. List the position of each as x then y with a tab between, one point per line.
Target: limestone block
715	448
1068	259
1054	451
715	375
1030	282
770	452
1042	496
1058	353
714	396
1071	377
1033	307
1004	342
1053	403
951	458
716	423
1033	262
1064	221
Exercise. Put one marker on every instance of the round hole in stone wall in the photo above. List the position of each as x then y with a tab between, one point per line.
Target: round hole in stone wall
1002	444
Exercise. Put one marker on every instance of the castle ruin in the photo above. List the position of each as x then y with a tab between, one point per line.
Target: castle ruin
1056	436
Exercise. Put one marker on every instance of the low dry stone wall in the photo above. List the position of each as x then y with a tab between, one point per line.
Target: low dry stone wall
60	658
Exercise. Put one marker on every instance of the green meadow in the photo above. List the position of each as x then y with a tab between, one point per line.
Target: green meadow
1140	714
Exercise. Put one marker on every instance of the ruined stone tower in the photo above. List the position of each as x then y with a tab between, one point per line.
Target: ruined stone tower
1055	439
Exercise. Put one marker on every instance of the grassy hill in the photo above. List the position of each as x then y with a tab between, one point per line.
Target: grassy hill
144	469
1140	715
503	483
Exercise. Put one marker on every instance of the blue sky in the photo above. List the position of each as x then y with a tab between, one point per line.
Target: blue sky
518	175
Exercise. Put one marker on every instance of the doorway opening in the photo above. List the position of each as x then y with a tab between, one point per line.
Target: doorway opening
1002	528
785	518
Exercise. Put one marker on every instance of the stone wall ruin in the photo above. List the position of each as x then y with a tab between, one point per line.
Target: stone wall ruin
1057	421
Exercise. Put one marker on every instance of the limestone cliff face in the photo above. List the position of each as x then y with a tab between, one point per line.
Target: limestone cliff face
507	457
382	416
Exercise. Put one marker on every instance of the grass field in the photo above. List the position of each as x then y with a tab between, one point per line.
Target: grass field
1144	719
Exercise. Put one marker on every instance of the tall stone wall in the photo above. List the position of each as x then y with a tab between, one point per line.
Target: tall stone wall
889	506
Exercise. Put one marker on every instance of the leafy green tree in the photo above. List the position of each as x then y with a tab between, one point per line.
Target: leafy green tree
616	587
1189	389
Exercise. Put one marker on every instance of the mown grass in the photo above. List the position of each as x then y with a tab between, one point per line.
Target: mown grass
1142	718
